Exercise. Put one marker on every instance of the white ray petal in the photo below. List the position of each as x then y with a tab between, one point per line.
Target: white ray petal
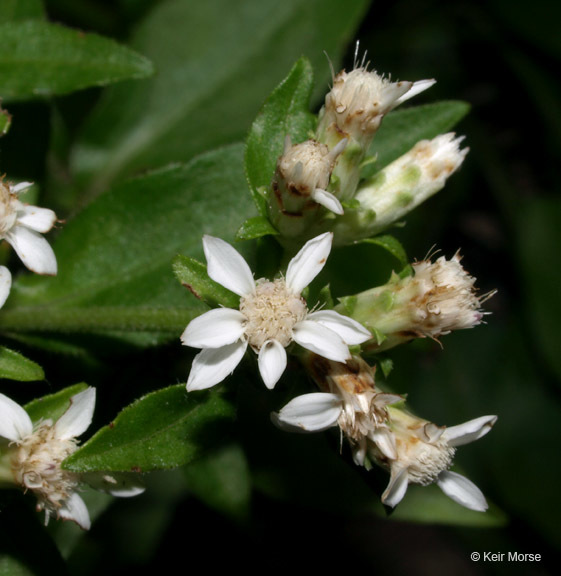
385	440
75	509
214	329
272	362
416	88
212	365
309	262
397	487
321	340
78	416
15	423
226	266
38	219
462	491
310	412
327	200
21	187
469	431
33	250
5	284
351	331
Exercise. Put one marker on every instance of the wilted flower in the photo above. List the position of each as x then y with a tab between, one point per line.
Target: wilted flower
21	226
359	100
37	450
424	452
439	297
272	314
350	400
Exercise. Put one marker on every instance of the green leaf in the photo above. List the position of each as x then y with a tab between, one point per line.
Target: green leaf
164	429
256	227
402	129
115	258
53	406
15	366
193	275
391	244
16	10
5	121
285	113
211	81
39	59
222	481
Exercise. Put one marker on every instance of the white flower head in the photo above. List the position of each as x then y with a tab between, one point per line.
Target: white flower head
272	314
446	298
359	100
38	450
21	226
424	454
349	400
304	171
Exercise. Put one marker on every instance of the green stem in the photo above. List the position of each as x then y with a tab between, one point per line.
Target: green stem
106	318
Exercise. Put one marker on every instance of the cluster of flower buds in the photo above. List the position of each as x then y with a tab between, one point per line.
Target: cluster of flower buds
317	186
316	199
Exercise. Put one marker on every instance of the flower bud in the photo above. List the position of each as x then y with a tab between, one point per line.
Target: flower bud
438	298
300	188
401	186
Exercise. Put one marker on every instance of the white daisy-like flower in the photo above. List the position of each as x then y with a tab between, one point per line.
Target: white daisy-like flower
36	450
424	454
21	226
272	314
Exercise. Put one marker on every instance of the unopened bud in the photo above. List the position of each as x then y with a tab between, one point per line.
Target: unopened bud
401	186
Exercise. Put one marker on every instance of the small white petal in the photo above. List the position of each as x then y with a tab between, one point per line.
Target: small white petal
226	266
38	219
385	440
5	284
397	487
351	331
75	509
328	200
119	484
462	491
15	423
34	251
469	431
78	416
21	187
310	412
212	365
321	340
272	362
309	262
417	88
214	329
